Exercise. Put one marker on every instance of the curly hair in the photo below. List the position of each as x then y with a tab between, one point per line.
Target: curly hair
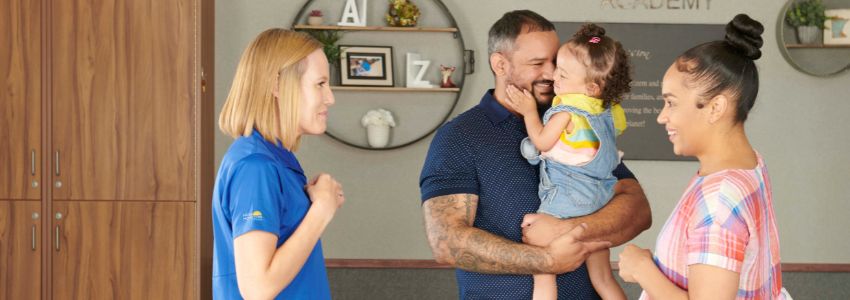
606	61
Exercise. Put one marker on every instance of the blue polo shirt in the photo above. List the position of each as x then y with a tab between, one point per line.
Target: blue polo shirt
478	153
260	186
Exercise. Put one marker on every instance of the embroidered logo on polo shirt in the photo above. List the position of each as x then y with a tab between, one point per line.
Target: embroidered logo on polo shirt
256	215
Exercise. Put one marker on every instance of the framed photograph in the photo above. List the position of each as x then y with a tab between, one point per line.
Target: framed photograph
366	65
837	31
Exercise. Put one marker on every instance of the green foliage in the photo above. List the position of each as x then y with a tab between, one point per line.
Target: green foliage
328	38
806	13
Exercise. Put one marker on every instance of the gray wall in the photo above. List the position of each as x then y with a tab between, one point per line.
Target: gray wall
795	112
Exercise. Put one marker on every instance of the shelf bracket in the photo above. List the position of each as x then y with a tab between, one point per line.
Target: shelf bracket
468	61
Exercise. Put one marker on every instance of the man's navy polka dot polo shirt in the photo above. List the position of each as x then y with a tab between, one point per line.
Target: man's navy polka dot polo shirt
478	153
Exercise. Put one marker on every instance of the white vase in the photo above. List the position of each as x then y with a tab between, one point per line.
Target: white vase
378	136
808	35
314	21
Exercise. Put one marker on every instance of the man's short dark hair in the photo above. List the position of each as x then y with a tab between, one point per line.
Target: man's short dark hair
504	32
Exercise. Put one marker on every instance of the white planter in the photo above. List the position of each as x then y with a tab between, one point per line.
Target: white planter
314	21
378	136
808	34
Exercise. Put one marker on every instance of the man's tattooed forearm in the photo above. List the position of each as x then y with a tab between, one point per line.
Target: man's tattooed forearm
449	222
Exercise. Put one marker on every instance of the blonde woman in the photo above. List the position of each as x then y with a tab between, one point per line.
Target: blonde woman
267	219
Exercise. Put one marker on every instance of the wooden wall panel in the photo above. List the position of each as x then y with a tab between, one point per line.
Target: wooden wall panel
20	250
124	250
123	96
20	98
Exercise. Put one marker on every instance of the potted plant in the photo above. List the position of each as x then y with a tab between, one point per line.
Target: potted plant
378	123
329	38
402	13
808	17
315	18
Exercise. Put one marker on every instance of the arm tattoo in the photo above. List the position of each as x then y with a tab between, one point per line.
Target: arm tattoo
448	221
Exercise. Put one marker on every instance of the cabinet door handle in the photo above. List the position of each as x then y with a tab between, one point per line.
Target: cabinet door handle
57	237
32	164
57	162
33	237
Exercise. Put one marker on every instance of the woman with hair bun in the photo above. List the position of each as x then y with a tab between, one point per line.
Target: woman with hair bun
721	241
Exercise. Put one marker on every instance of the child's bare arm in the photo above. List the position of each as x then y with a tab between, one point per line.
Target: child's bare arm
543	137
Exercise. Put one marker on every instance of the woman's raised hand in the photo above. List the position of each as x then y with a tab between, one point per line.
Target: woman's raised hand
325	192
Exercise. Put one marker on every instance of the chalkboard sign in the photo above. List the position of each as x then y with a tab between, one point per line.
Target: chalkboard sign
652	48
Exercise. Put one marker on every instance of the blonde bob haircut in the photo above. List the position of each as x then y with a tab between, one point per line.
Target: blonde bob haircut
275	57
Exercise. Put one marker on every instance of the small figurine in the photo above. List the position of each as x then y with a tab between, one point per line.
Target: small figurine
447	77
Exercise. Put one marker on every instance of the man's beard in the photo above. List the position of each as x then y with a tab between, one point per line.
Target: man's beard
543	107
547	97
542	104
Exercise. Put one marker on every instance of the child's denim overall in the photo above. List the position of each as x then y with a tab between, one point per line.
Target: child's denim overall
570	191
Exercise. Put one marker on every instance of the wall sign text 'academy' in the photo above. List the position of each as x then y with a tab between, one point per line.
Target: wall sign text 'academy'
657	4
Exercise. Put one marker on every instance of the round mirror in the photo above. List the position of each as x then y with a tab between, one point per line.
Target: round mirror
816	50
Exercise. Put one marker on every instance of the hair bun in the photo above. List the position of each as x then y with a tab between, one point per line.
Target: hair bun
744	34
590	30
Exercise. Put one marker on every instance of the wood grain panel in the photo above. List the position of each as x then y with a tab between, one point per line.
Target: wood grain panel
206	161
123	99
20	264
20	98
124	250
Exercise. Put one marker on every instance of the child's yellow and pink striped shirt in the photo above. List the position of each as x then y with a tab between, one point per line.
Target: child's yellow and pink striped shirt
725	220
580	146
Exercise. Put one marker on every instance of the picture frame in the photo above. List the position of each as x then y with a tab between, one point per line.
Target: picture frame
366	65
836	28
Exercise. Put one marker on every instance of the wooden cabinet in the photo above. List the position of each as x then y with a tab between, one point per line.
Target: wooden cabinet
123	250
20	249
107	161
123	91
20	99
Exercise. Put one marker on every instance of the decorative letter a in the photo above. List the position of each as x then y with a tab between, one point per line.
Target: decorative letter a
357	18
